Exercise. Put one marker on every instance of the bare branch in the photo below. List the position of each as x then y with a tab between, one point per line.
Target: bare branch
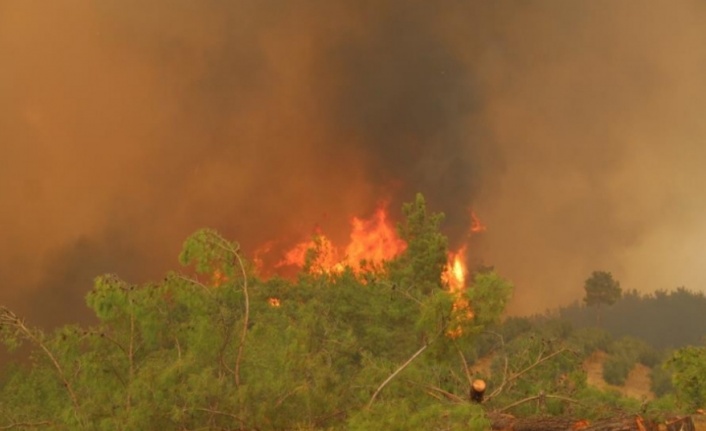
220	413
392	376
226	245
537	397
446	394
193	281
464	362
26	425
540	360
131	358
245	320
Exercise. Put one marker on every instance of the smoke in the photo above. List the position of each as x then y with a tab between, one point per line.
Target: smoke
572	129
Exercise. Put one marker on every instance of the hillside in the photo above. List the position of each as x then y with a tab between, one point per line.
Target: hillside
637	385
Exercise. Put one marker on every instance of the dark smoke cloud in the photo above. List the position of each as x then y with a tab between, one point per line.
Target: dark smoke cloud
572	129
408	102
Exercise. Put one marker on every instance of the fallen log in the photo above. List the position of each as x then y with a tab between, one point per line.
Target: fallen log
505	422
685	423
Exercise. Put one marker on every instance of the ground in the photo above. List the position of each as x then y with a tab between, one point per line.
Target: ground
637	385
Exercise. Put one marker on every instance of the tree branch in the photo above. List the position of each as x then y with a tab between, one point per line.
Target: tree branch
392	376
246	319
194	281
465	365
8	317
26	425
537	397
220	413
225	245
515	376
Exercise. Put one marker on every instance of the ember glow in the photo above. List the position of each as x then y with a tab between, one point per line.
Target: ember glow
476	225
218	278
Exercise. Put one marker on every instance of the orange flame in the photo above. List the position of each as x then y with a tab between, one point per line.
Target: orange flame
476	225
274	302
456	271
455	276
326	260
218	278
372	241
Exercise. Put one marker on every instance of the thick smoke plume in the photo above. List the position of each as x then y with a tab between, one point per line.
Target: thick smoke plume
574	130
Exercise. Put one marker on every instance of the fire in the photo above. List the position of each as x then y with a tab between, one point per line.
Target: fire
455	276
372	241
327	256
456	271
218	278
274	302
476	225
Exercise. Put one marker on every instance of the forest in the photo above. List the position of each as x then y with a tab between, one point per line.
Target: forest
386	346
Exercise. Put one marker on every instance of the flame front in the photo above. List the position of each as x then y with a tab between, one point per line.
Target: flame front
372	241
326	259
455	276
456	271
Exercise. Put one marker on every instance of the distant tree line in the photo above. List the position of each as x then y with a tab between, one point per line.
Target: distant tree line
663	319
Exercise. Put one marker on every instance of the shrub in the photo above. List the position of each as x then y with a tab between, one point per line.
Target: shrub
616	370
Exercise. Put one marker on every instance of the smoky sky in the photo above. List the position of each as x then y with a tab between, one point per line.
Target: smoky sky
574	130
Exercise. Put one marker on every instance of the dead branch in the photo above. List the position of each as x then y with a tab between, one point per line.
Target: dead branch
245	320
193	281
220	413
397	371
225	245
26	425
540	360
535	398
448	395
465	365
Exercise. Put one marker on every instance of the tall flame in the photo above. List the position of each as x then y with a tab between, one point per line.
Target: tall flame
456	271
372	241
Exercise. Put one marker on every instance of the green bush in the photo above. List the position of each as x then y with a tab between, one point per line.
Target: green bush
649	356
661	381
588	340
616	370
